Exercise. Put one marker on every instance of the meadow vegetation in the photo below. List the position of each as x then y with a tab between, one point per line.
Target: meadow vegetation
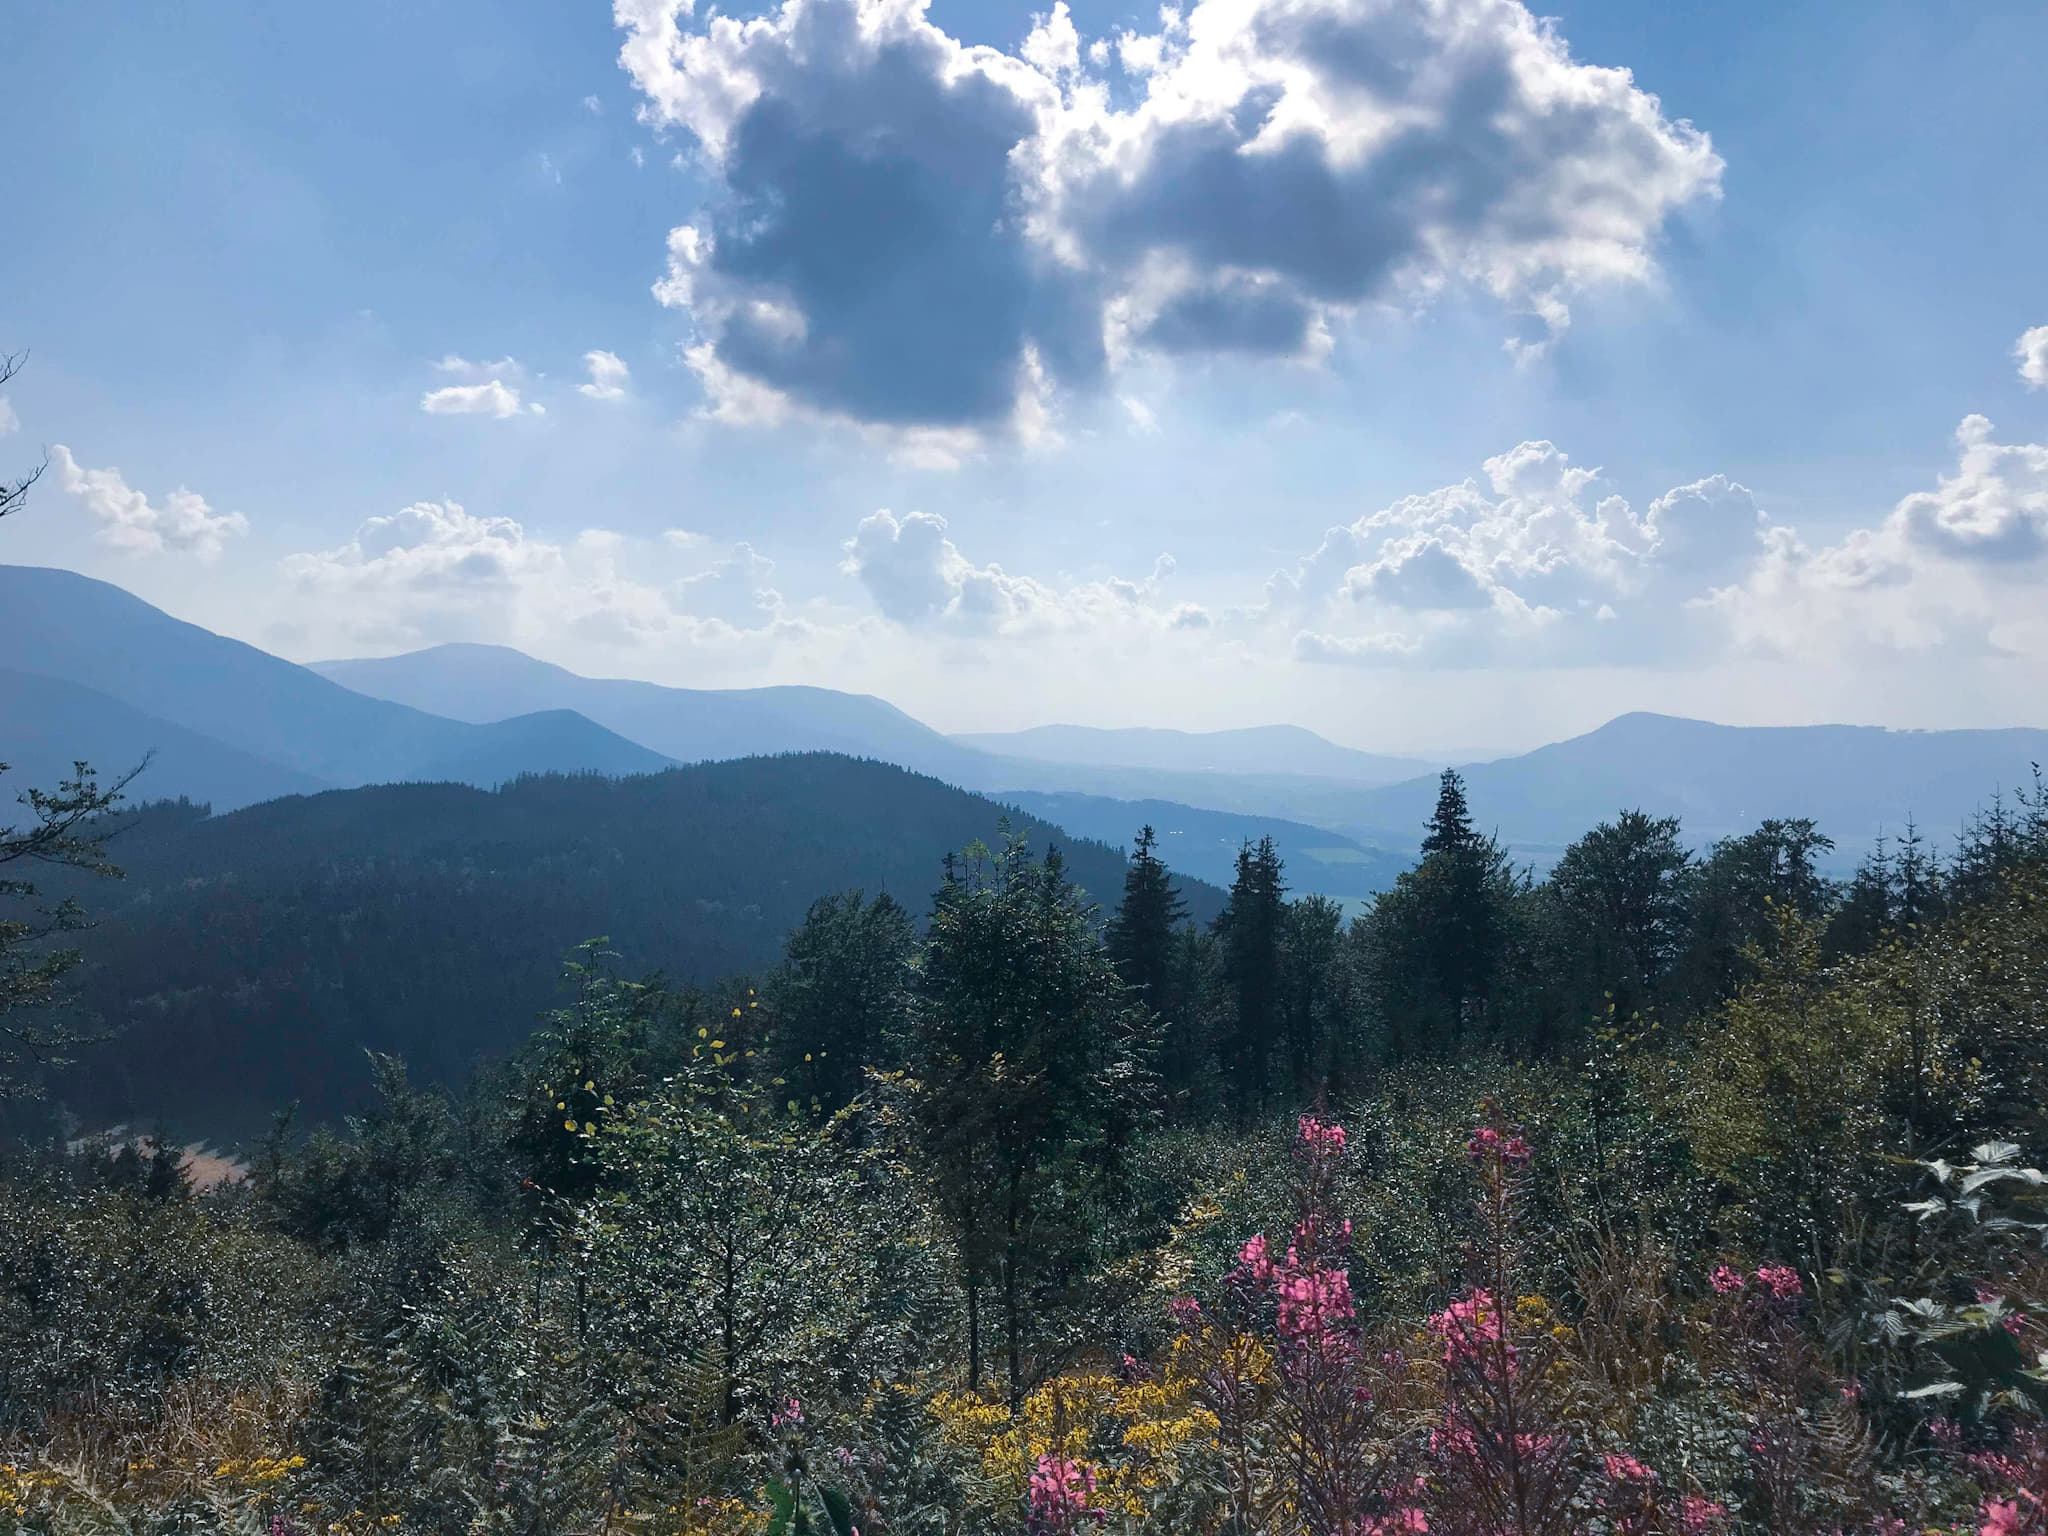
1670	1193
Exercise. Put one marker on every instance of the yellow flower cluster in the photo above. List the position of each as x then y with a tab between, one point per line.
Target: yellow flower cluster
20	1485
263	1469
1130	1433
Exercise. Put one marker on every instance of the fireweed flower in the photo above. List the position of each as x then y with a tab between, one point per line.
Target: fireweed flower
1726	1280
1781	1282
1698	1515
1058	1495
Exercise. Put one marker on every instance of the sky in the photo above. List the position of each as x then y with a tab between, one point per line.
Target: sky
1436	374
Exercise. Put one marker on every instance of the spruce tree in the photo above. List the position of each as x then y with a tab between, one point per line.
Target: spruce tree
1623	892
1438	941
1023	1050
840	997
1140	936
1250	931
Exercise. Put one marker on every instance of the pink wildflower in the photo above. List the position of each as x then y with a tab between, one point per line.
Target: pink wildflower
1058	1495
1317	1137
1184	1310
1467	1324
1781	1282
1486	1143
2001	1517
1699	1515
1402	1522
1725	1279
1623	1468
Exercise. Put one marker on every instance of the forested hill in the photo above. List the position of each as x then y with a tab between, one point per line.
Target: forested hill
249	959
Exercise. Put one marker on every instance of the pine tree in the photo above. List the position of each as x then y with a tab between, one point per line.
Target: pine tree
1140	936
840	996
1250	930
1623	889
1450	824
1437	943
1023	1045
1312	990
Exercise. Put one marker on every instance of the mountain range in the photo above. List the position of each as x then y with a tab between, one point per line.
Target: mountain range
93	671
247	960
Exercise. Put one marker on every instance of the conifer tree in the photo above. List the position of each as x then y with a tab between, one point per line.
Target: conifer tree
1023	1046
1250	930
1622	888
1437	942
840	995
1140	936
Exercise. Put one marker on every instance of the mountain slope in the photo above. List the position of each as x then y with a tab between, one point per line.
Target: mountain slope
481	683
46	725
62	625
1855	781
1269	749
250	959
1204	844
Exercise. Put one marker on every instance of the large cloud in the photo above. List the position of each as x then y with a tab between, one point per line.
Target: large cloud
1532	568
1958	570
916	233
434	571
2031	353
132	523
919	579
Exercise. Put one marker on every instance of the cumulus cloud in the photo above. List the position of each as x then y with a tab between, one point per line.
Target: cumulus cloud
910	229
1994	509
133	524
495	391
1956	570
919	579
435	571
2031	352
1531	567
608	376
9	422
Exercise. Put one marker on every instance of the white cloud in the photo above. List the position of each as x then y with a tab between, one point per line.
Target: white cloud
2031	352
1532	569
487	399
608	376
1262	170
1956	571
1994	509
131	523
495	392
593	106
919	579
9	422
434	571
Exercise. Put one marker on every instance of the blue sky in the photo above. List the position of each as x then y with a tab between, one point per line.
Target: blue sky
974	315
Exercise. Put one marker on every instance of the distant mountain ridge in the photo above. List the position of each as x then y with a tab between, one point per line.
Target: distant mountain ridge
1205	843
1857	781
255	725
95	636
250	959
1265	749
484	683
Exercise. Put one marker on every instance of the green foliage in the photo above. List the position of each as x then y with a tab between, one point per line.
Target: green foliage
67	829
1249	934
1025	1057
840	996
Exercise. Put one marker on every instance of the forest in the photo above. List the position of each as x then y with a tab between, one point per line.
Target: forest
1672	1192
